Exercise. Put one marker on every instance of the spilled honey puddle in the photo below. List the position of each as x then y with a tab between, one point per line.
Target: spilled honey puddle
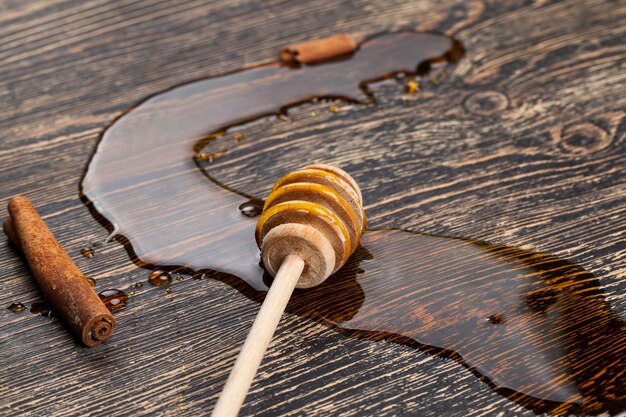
535	327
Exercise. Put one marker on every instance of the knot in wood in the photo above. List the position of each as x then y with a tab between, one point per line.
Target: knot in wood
584	138
486	103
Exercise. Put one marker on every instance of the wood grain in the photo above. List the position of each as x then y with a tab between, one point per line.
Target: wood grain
522	145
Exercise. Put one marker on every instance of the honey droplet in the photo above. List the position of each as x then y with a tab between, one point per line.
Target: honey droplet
333	108
412	87
496	319
199	276
113	299
91	281
16	307
238	137
41	308
210	157
87	252
252	208
159	278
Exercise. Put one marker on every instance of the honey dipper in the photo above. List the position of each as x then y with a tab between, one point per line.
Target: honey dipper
312	222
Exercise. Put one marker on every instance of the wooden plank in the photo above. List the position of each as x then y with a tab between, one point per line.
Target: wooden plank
523	144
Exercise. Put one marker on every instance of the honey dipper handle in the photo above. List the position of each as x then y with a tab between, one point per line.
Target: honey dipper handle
259	338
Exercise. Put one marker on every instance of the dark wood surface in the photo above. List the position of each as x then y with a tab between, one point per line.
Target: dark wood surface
522	144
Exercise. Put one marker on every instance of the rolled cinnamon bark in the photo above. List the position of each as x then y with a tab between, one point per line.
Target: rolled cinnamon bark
57	276
319	49
9	231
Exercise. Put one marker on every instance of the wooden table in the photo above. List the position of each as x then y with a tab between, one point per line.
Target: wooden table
522	144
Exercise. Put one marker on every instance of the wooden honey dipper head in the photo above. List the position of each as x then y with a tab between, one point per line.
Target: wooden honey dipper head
315	213
312	222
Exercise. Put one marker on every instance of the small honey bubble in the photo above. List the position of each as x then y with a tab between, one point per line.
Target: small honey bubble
333	108
41	308
113	299
16	307
200	276
252	208
209	157
238	137
87	252
496	319
159	278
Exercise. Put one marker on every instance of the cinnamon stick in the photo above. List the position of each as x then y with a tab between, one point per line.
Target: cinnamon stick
317	50
57	276
9	231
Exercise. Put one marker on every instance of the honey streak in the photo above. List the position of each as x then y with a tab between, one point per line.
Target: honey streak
534	327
